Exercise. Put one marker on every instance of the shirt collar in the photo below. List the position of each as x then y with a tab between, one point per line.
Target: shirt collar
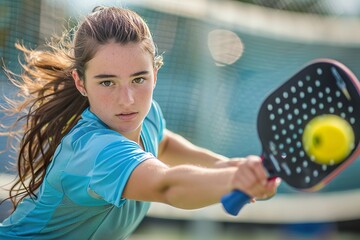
87	115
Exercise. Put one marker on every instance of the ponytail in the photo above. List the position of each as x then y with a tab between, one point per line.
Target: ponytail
48	106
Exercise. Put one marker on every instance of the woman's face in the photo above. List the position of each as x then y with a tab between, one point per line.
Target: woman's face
119	85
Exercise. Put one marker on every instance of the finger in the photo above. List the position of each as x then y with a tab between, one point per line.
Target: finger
246	178
235	162
267	191
271	188
274	182
246	181
258	169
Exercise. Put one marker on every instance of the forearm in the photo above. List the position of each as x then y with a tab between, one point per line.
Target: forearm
191	187
176	150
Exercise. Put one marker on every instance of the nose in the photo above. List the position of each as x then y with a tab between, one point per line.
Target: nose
126	96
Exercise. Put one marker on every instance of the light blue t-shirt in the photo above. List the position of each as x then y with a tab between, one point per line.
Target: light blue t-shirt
80	197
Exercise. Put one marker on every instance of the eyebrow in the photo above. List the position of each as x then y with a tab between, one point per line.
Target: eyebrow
101	76
139	73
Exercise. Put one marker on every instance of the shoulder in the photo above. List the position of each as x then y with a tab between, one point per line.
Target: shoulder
91	136
155	114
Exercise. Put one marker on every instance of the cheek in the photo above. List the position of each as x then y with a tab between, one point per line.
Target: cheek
99	100
146	95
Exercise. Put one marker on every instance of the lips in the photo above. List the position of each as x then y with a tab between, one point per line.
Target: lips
127	116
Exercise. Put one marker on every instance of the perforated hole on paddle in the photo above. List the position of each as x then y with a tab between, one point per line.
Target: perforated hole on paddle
320	88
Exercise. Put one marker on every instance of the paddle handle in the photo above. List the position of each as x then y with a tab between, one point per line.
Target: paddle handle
234	201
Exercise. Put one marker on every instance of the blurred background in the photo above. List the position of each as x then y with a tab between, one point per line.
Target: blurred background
221	60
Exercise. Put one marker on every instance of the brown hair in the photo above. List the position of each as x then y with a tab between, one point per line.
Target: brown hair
48	97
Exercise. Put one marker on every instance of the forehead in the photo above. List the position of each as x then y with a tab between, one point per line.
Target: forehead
120	58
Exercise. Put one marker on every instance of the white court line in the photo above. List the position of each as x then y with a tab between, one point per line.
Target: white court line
283	208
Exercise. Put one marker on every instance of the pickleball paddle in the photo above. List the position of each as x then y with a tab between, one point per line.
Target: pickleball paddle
308	128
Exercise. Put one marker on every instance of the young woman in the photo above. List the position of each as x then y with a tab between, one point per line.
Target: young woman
94	149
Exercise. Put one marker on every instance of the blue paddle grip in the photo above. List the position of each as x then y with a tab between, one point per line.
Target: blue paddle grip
234	201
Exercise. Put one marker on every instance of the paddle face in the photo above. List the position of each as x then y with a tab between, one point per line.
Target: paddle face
323	88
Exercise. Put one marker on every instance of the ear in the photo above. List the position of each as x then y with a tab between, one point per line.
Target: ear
155	76
79	83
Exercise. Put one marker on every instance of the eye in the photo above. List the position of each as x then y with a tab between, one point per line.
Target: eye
106	83
139	80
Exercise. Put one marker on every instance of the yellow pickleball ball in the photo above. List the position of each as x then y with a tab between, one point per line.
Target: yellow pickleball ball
328	139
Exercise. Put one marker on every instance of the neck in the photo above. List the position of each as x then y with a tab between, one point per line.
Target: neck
135	136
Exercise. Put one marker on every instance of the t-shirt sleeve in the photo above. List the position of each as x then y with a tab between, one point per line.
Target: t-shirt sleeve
113	167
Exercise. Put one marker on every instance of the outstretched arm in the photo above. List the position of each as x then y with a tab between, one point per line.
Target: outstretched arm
190	187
